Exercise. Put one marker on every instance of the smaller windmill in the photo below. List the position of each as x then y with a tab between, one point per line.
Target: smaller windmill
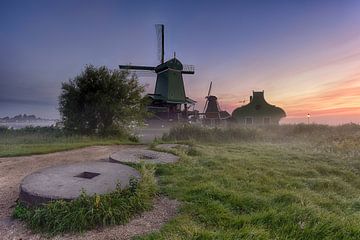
213	115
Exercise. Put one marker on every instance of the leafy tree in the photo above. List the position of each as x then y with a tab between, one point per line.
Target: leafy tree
102	101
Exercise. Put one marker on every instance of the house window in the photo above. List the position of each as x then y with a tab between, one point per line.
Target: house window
248	120
266	120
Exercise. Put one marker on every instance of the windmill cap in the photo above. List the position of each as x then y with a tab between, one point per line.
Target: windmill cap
170	64
211	98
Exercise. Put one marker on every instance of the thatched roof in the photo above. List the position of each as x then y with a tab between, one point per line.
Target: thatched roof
258	107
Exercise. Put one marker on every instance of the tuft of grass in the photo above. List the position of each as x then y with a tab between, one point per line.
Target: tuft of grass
88	212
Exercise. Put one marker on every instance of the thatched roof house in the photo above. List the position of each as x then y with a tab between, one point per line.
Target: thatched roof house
258	112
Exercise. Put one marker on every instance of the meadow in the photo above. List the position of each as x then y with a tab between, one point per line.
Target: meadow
276	182
283	182
39	140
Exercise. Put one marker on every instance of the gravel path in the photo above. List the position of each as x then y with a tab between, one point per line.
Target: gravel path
14	169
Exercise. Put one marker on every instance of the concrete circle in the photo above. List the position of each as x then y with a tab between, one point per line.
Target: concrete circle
170	146
67	181
139	155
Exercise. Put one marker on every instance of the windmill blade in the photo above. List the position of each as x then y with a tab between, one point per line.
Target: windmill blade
209	89
143	73
188	69
140	71
134	67
207	97
160	40
206	103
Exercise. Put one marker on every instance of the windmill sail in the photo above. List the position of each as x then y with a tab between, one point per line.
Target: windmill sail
207	97
209	89
160	40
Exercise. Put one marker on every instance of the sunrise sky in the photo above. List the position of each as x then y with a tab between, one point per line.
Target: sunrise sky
304	54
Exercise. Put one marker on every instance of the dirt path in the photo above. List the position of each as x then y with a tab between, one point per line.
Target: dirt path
14	169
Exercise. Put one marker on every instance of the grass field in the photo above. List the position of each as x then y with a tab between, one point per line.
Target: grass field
285	182
29	141
249	188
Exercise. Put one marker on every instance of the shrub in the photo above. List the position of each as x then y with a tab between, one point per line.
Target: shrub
100	100
3	129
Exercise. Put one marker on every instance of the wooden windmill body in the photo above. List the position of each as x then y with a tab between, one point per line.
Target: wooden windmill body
169	101
213	115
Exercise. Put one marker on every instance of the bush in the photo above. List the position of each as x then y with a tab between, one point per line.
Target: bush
3	129
89	212
102	101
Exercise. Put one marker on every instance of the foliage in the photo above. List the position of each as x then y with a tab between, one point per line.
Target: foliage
259	190
37	140
89	212
102	101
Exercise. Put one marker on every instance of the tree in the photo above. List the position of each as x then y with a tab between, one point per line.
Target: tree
101	101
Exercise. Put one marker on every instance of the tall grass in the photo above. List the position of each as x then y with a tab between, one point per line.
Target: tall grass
87	212
311	132
343	139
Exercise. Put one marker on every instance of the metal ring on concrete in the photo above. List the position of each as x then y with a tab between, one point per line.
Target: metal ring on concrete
67	181
142	155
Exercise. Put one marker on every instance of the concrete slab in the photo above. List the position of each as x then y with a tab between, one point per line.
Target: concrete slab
139	155
67	181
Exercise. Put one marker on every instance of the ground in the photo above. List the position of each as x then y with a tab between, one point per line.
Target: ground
263	191
47	140
13	169
246	188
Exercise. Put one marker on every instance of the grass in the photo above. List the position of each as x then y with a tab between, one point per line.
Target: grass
280	182
39	140
296	187
88	212
343	140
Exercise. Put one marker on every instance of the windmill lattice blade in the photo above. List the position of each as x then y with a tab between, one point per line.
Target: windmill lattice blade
206	103
133	67
188	69
160	41
143	73
209	89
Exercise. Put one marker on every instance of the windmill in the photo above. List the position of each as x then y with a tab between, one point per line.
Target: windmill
212	111
169	101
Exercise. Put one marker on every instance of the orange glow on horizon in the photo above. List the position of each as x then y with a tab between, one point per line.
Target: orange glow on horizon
330	93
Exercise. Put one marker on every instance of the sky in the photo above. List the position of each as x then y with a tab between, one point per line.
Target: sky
305	55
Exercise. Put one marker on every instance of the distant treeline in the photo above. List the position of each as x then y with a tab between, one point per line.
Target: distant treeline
21	118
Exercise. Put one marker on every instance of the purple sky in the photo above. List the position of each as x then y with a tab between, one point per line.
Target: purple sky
304	54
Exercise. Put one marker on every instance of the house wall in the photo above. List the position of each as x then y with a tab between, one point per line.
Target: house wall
257	120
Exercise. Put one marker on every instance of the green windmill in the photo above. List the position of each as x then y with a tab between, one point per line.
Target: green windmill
169	101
